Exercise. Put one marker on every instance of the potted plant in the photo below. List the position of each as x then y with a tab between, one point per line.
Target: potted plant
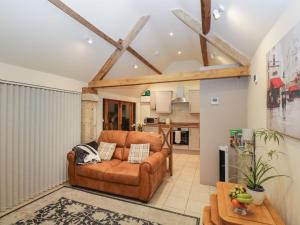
257	171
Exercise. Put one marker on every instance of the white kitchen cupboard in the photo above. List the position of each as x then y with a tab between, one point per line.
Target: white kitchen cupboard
163	101
152	100
194	101
194	140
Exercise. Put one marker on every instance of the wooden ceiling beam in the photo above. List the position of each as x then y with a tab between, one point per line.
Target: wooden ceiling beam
206	22
188	76
125	44
142	59
213	39
66	9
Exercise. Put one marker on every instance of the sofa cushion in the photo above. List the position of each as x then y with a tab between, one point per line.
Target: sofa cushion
118	154
135	137
106	150
114	136
123	173
96	171
138	153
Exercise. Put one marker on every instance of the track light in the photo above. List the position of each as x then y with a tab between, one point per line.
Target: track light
217	13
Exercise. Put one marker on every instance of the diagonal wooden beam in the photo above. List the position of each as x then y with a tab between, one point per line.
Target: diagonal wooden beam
142	59
152	79
206	21
117	53
63	7
213	39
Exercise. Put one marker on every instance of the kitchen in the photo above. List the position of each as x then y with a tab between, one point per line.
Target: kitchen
174	111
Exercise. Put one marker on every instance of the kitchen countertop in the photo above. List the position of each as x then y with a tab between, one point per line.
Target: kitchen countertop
175	124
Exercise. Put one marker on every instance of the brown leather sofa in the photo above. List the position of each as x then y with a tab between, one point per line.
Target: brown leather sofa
117	176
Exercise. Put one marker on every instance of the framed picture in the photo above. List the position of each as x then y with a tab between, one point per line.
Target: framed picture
283	91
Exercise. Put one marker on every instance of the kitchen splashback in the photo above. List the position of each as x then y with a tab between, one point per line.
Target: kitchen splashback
180	113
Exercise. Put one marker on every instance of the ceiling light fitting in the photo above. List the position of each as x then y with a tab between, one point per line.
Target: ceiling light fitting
135	66
179	52
171	34
90	40
217	13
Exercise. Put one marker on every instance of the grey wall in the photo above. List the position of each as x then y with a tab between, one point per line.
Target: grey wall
216	120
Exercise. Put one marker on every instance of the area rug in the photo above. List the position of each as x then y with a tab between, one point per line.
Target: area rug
72	206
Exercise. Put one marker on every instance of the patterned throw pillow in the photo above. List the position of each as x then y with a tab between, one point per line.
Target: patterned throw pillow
138	153
106	150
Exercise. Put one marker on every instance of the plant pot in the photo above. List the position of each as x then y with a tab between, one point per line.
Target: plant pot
257	195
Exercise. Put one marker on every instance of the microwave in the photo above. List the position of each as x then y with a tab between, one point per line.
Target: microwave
151	120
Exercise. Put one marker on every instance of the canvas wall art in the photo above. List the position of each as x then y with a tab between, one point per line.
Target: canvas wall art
283	92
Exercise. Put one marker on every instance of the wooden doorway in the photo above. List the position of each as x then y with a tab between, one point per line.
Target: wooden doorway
118	115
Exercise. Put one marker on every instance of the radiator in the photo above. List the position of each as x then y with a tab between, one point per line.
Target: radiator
38	126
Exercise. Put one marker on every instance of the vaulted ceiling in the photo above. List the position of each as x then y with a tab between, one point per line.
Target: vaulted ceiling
35	34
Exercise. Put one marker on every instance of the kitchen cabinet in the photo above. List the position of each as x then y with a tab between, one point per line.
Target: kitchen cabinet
194	140
163	101
194	101
152	100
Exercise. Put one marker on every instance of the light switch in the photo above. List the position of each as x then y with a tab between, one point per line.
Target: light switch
214	100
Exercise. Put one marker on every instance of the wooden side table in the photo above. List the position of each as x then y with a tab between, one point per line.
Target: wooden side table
222	210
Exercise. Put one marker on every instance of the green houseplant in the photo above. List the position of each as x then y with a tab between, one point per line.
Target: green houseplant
259	170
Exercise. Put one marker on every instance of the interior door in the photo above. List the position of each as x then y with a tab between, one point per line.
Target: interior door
126	122
111	115
118	115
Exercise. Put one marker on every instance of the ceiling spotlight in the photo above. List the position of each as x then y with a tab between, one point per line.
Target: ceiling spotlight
90	40
135	66
212	55
171	34
217	13
156	52
179	52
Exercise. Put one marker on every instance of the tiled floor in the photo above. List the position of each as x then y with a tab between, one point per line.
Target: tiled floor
183	192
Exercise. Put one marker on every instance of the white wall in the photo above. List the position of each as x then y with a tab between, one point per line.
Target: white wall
102	95
23	75
284	193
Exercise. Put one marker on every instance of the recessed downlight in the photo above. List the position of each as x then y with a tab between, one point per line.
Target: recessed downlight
171	34
156	52
90	40
135	66
179	52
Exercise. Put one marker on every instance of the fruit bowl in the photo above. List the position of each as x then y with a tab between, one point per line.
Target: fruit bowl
240	200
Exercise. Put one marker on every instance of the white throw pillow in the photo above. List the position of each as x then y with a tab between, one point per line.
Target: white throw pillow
138	153
106	150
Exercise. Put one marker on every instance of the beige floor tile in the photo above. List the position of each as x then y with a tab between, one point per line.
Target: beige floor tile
176	202
195	206
173	209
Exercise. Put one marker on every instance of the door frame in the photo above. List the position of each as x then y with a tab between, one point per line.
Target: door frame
106	101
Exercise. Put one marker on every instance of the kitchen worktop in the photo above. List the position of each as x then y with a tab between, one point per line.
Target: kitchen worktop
175	124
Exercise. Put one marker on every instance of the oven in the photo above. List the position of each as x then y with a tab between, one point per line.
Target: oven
181	136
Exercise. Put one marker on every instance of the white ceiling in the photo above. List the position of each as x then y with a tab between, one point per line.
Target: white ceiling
37	35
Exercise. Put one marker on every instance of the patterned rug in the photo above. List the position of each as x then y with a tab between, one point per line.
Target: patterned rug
72	206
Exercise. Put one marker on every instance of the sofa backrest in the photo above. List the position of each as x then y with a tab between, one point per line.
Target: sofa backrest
136	137
115	136
124	139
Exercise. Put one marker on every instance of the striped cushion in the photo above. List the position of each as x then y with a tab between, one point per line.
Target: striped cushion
106	150
138	153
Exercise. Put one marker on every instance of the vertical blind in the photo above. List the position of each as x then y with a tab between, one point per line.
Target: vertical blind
38	127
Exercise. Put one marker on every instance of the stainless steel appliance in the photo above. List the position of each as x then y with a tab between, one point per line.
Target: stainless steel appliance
151	120
181	136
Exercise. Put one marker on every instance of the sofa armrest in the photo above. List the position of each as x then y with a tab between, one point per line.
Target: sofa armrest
71	167
153	162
